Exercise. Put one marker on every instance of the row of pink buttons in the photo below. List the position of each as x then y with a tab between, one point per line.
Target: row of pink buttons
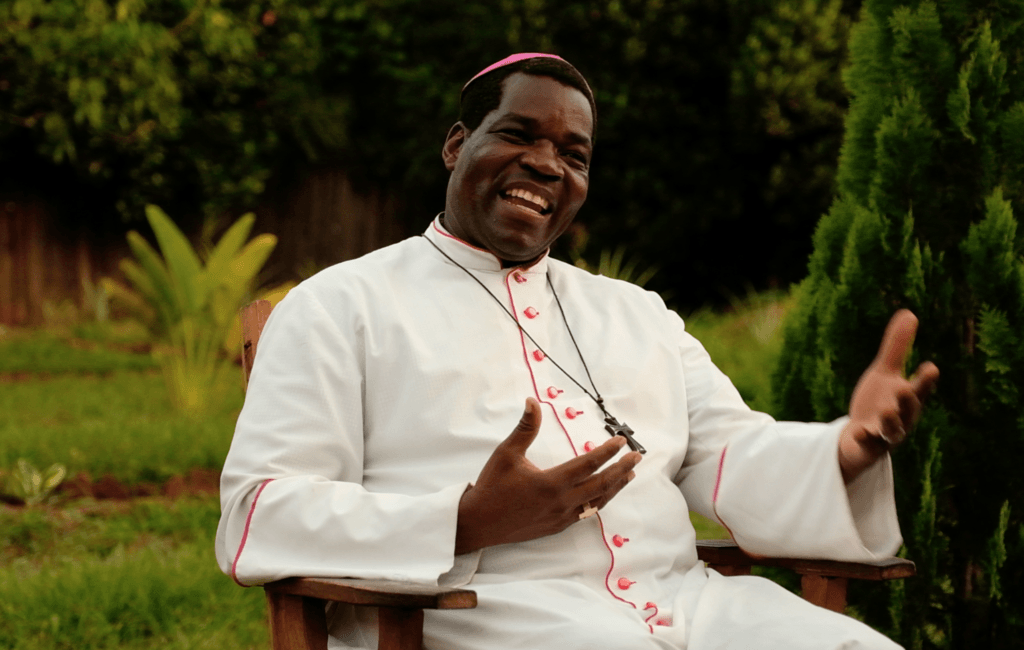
553	392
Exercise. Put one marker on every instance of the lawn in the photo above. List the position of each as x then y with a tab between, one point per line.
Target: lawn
87	574
134	574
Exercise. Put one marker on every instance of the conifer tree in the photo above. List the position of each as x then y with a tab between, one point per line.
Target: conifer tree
931	176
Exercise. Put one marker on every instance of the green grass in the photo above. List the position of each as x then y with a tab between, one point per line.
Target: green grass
45	353
745	343
39	536
707	529
128	576
122	424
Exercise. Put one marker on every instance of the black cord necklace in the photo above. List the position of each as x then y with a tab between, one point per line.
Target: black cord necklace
612	425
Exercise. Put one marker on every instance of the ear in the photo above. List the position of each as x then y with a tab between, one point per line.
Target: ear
453	145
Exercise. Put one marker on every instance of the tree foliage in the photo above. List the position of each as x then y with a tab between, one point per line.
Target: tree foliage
183	102
929	183
716	118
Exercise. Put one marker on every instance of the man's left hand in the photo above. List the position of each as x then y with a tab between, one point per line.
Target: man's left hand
885	404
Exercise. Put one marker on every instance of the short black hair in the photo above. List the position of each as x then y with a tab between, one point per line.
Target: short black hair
483	94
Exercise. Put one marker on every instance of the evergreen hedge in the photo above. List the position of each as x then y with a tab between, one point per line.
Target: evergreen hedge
930	177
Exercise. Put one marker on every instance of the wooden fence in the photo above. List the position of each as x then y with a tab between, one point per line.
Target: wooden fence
319	221
323	221
41	265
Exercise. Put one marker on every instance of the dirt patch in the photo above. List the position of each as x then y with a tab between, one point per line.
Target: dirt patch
195	483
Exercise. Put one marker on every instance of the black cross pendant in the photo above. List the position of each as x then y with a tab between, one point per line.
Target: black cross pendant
613	428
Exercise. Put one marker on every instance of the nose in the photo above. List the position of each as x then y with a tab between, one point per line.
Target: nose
542	158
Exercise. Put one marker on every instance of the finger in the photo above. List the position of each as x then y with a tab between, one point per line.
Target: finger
910	408
892	430
611	490
577	469
897	340
526	430
601	487
925	380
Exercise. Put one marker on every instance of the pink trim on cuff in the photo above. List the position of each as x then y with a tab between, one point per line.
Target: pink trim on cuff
718	478
714	497
245	533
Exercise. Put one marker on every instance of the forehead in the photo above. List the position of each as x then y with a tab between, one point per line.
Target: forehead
544	101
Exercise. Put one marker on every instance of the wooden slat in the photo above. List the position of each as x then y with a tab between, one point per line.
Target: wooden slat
382	593
253	316
399	628
824	591
727	552
36	267
7	263
19	249
296	623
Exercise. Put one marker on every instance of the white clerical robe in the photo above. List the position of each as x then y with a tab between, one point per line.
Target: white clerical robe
382	385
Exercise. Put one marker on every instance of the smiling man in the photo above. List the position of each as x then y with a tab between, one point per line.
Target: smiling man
374	441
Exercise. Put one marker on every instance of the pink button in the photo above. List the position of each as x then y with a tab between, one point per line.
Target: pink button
589	446
662	622
518	277
538	355
553	392
531	312
619	540
624	583
572	413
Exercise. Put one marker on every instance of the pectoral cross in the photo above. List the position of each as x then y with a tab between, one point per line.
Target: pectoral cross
614	428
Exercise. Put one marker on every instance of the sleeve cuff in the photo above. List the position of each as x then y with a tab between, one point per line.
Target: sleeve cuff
781	493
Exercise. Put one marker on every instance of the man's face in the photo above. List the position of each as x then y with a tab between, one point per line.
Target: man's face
520	177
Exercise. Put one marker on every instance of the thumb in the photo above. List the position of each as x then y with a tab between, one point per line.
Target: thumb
526	431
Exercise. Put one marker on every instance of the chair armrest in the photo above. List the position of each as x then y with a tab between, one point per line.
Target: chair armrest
380	593
726	552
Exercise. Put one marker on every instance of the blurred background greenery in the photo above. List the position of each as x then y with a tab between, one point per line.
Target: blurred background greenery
871	150
720	121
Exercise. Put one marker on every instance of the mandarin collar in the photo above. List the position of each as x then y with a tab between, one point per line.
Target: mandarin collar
472	257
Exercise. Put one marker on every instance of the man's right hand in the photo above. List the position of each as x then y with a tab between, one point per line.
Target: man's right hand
514	501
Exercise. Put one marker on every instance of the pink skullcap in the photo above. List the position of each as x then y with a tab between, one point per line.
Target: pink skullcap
510	60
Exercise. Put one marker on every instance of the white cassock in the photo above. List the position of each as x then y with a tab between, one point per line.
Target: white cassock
382	386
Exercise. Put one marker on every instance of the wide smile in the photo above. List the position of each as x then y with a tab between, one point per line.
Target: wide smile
527	201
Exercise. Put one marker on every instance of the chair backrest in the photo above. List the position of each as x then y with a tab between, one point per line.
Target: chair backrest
253	316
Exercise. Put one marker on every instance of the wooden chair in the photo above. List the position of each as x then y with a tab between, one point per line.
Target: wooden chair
297	605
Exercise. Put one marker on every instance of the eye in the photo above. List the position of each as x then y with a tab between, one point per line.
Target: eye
515	134
578	157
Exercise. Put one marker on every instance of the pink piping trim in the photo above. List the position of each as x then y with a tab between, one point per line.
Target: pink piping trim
484	250
245	533
647	620
718	478
611	568
464	243
536	391
533	379
714	497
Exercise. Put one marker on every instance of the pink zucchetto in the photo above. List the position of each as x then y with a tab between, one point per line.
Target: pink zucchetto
510	60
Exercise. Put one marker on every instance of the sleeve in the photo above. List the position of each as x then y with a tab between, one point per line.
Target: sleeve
292	503
777	486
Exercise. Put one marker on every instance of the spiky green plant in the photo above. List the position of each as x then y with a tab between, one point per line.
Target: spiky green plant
930	176
31	485
190	303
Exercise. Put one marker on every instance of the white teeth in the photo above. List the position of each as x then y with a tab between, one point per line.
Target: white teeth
529	196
